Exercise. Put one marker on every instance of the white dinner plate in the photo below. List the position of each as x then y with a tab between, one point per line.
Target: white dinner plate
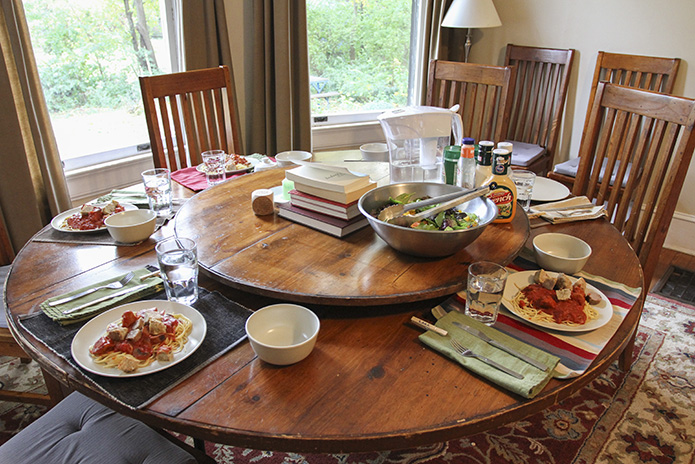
57	222
252	162
519	280
545	189
96	328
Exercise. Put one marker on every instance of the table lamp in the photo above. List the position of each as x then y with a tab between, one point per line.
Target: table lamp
469	14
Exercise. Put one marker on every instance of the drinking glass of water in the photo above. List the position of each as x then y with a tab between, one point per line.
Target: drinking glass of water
486	282
158	190
215	161
178	264
524	180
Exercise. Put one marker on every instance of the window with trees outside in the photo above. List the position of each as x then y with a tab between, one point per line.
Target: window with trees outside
89	56
362	58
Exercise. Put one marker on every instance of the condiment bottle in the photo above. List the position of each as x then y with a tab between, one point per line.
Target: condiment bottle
466	174
483	162
509	146
504	195
452	153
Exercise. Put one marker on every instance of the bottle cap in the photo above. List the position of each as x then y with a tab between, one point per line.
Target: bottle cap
468	141
452	152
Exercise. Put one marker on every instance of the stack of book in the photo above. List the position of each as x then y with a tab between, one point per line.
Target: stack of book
325	198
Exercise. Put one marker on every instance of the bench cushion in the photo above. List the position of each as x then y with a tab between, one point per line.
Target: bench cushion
81	431
525	154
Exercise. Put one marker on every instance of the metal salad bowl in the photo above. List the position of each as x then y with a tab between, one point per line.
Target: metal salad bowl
425	243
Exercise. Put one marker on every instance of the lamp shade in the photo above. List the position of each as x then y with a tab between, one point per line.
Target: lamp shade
472	13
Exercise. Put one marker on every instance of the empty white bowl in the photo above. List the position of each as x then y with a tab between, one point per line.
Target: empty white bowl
285	158
375	152
561	252
131	226
282	333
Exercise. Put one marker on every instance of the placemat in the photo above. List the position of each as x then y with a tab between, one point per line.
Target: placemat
194	179
225	329
576	350
102	237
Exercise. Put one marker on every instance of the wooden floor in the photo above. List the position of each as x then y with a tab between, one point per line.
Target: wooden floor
671	258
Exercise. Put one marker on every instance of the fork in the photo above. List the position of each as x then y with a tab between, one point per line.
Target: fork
113	285
463	351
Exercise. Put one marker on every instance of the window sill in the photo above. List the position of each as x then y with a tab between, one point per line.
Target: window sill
339	136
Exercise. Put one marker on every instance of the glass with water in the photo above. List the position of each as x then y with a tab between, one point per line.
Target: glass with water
158	190
524	181
486	283
214	162
178	264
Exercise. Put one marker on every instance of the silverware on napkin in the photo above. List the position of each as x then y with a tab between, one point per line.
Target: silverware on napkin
477	333
104	298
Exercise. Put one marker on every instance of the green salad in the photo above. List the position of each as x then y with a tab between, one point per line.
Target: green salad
450	219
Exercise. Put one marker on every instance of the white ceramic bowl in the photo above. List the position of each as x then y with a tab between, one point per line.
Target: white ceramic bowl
285	158
375	152
131	226
561	252
282	333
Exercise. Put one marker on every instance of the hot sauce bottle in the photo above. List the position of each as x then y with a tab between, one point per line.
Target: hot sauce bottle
504	195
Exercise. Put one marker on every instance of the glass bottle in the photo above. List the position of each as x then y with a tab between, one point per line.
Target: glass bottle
483	162
466	166
504	195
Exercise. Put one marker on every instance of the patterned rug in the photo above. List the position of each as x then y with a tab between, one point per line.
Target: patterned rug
646	416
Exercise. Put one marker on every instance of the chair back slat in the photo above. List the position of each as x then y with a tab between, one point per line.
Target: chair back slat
195	112
643	141
483	93
540	93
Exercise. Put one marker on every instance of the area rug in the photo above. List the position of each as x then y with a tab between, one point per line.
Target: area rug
644	416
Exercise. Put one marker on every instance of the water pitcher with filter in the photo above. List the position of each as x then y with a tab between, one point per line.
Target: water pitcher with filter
416	137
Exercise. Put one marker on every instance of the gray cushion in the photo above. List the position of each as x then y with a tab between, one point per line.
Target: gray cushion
81	431
569	168
525	153
4	270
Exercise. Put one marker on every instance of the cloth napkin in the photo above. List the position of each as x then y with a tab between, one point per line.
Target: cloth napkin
534	379
569	215
154	285
134	195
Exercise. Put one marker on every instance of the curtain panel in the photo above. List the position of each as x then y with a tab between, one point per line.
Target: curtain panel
32	184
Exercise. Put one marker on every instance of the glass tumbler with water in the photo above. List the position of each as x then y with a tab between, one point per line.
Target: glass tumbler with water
214	161
524	181
158	190
178	263
486	282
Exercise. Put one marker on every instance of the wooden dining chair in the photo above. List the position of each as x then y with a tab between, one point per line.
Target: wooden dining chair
538	104
653	73
483	93
188	113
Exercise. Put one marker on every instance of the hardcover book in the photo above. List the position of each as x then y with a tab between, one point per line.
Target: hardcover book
324	206
339	197
328	224
332	178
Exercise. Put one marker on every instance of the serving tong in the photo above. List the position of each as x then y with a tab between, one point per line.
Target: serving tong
394	214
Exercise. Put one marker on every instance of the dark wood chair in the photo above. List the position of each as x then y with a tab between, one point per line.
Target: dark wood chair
653	73
540	92
483	93
188	113
646	139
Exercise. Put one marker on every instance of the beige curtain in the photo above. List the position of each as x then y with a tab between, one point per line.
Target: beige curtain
32	183
434	35
277	94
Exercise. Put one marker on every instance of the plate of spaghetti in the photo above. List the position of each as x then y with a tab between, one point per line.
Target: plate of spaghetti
139	338
88	217
234	164
556	301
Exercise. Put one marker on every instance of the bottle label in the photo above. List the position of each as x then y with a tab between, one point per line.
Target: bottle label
504	199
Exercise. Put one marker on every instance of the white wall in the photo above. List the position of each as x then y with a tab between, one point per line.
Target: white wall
640	27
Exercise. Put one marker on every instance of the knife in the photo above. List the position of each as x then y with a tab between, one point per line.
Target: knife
104	298
501	346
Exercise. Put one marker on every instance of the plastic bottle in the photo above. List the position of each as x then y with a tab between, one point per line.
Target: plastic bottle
504	195
466	171
452	153
483	162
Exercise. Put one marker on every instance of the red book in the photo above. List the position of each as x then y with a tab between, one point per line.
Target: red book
328	224
324	206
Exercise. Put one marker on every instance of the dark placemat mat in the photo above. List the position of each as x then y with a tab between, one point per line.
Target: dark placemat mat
102	237
225	329
679	285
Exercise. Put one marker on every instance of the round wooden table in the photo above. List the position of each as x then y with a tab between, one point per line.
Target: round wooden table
368	385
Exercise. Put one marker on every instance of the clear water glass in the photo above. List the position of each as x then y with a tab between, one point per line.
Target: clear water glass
524	181
158	190
486	283
178	264
214	162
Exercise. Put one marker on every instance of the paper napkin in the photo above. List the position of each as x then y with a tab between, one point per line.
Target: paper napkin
153	285
569	215
534	379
